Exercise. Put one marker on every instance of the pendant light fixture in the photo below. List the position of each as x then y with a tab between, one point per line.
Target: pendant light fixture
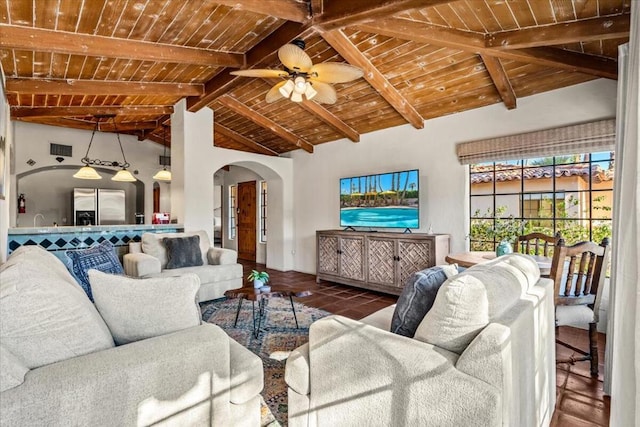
88	172
163	174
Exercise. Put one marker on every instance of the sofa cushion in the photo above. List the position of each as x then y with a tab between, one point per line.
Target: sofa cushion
206	273
101	257
417	298
468	302
153	245
183	251
44	319
12	370
136	309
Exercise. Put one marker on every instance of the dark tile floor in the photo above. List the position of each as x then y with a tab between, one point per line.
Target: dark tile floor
580	398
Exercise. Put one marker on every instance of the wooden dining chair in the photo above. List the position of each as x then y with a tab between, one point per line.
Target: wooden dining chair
526	242
577	274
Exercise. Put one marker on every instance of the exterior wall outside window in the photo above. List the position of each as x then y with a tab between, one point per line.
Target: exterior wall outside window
569	194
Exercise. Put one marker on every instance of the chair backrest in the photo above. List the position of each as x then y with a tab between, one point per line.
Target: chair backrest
525	242
576	271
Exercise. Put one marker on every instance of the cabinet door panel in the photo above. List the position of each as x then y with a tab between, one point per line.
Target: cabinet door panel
414	256
328	254
381	268
352	258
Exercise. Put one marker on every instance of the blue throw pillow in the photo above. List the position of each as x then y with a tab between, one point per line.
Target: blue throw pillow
183	251
416	300
101	257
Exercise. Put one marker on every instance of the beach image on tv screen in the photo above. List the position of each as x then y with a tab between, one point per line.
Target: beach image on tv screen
388	200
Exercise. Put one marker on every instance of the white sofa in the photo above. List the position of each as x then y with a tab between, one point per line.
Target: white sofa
219	272
59	365
484	355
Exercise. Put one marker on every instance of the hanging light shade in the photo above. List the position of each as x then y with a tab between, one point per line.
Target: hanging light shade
124	175
88	172
163	174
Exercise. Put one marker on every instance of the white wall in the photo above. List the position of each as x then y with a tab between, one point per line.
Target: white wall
5	204
201	159
443	183
32	142
55	199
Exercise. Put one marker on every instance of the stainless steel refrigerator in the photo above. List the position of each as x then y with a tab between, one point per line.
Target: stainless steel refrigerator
100	206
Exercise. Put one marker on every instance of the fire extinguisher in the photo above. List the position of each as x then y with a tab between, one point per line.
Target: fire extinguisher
22	203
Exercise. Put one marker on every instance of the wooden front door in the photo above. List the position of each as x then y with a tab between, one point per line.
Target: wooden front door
156	198
247	220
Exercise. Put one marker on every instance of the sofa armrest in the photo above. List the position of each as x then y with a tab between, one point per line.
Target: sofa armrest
247	375
141	265
135	247
172	379
488	356
296	373
220	256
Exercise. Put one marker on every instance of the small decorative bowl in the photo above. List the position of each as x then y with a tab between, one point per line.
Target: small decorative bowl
265	289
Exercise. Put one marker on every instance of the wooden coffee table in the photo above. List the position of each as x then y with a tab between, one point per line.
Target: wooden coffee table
253	294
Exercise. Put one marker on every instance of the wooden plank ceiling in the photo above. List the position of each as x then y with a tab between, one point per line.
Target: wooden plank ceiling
68	60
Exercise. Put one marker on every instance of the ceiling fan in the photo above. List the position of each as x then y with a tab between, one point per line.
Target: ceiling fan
303	77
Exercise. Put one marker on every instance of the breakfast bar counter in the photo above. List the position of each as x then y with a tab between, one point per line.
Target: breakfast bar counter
61	239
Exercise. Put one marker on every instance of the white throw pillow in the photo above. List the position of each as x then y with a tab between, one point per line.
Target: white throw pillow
136	309
468	302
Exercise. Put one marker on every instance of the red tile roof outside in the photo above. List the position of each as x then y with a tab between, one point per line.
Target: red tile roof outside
481	173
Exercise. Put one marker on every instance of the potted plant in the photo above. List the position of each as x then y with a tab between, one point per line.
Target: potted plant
260	278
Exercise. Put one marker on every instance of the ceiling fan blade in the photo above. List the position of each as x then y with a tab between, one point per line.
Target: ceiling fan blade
326	93
260	73
335	72
274	93
294	58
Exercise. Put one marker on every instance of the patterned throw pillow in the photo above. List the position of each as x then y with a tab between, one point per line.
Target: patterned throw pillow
183	251
417	298
101	257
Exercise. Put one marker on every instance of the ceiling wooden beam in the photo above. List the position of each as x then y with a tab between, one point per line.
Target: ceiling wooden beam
500	80
291	10
241	109
563	59
587	30
264	51
100	87
87	125
376	79
231	134
341	13
471	42
331	119
41	40
133	110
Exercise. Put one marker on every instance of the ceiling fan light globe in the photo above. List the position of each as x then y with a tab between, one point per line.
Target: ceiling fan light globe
296	97
300	85
287	88
310	93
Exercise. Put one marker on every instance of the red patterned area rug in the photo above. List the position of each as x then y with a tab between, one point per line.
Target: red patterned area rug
278	337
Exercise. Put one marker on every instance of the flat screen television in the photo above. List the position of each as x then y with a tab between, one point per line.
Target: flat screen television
386	200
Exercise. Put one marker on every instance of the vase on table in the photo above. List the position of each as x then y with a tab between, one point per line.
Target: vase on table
258	283
504	247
